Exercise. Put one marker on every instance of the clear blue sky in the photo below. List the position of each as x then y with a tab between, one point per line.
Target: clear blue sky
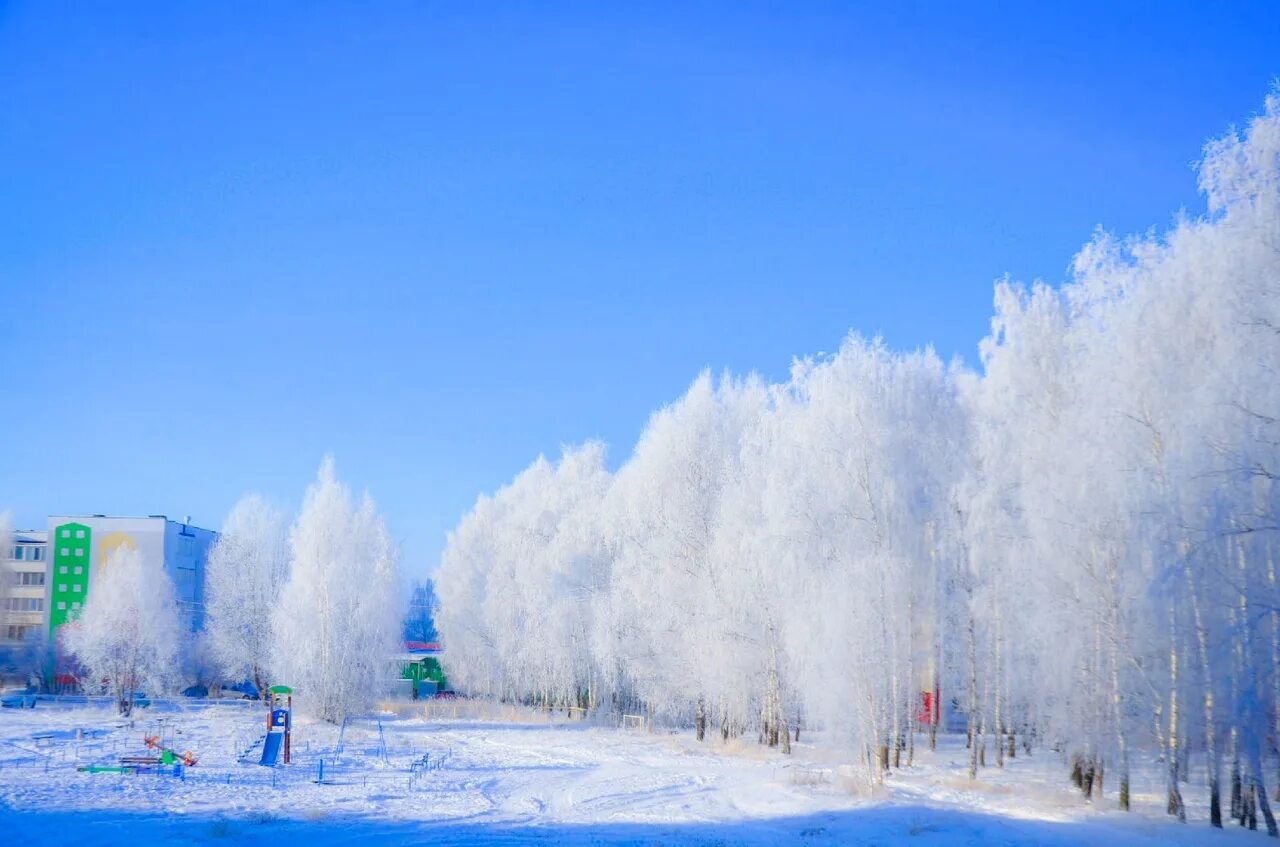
436	239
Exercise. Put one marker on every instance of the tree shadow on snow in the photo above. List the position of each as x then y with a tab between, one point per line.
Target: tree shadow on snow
436	727
883	824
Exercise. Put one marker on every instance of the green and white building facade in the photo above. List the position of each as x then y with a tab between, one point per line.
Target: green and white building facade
80	546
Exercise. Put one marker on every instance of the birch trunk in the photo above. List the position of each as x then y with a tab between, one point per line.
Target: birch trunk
1211	747
998	717
973	700
1176	805
1122	747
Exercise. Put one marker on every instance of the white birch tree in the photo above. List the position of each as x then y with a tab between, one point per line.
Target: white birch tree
127	636
244	575
338	623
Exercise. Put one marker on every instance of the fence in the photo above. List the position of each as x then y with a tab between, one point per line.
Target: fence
154	704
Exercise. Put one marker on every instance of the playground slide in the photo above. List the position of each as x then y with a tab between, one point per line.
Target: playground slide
271	748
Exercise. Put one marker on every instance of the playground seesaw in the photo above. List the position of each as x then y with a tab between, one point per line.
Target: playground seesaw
167	762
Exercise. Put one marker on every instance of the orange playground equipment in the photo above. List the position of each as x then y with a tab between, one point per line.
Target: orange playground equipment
168	755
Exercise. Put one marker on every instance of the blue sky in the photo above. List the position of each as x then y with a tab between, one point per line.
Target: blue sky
439	239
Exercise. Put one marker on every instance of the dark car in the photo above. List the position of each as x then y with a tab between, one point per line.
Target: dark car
246	689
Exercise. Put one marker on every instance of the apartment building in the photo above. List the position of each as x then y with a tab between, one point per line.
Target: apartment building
80	544
24	573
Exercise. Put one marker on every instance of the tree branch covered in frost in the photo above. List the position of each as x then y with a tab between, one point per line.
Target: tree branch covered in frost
1075	545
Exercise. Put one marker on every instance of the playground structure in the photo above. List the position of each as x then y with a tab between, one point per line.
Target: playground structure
168	755
279	726
166	761
125	769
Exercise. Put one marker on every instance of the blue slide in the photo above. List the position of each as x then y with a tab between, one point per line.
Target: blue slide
271	748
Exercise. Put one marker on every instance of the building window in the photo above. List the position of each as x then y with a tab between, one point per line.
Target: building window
76	588
16	554
37	554
66	533
77	569
62	569
66	551
28	578
75	605
62	605
79	551
24	604
30	604
79	533
62	587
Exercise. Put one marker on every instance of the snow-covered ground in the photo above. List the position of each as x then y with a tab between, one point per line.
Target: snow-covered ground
513	778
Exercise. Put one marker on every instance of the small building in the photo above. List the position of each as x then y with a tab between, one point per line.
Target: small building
420	665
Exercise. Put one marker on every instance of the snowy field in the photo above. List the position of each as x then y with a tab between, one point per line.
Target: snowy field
467	775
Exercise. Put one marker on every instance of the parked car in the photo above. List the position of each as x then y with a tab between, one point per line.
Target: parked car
195	691
18	698
246	689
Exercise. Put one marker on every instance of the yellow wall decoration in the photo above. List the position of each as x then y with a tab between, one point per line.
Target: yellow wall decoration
113	541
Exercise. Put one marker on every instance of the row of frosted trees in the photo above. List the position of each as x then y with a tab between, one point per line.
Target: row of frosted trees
1076	546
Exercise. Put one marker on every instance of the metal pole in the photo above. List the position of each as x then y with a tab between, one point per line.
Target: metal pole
288	729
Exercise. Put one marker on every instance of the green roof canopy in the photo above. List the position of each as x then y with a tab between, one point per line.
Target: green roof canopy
280	689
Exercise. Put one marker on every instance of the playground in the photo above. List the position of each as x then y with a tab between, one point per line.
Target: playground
443	772
192	755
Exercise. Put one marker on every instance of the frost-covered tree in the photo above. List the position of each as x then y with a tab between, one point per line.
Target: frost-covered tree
858	479
669	617
128	635
244	575
338	622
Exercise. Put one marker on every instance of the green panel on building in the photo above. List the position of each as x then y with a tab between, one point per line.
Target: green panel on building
68	572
